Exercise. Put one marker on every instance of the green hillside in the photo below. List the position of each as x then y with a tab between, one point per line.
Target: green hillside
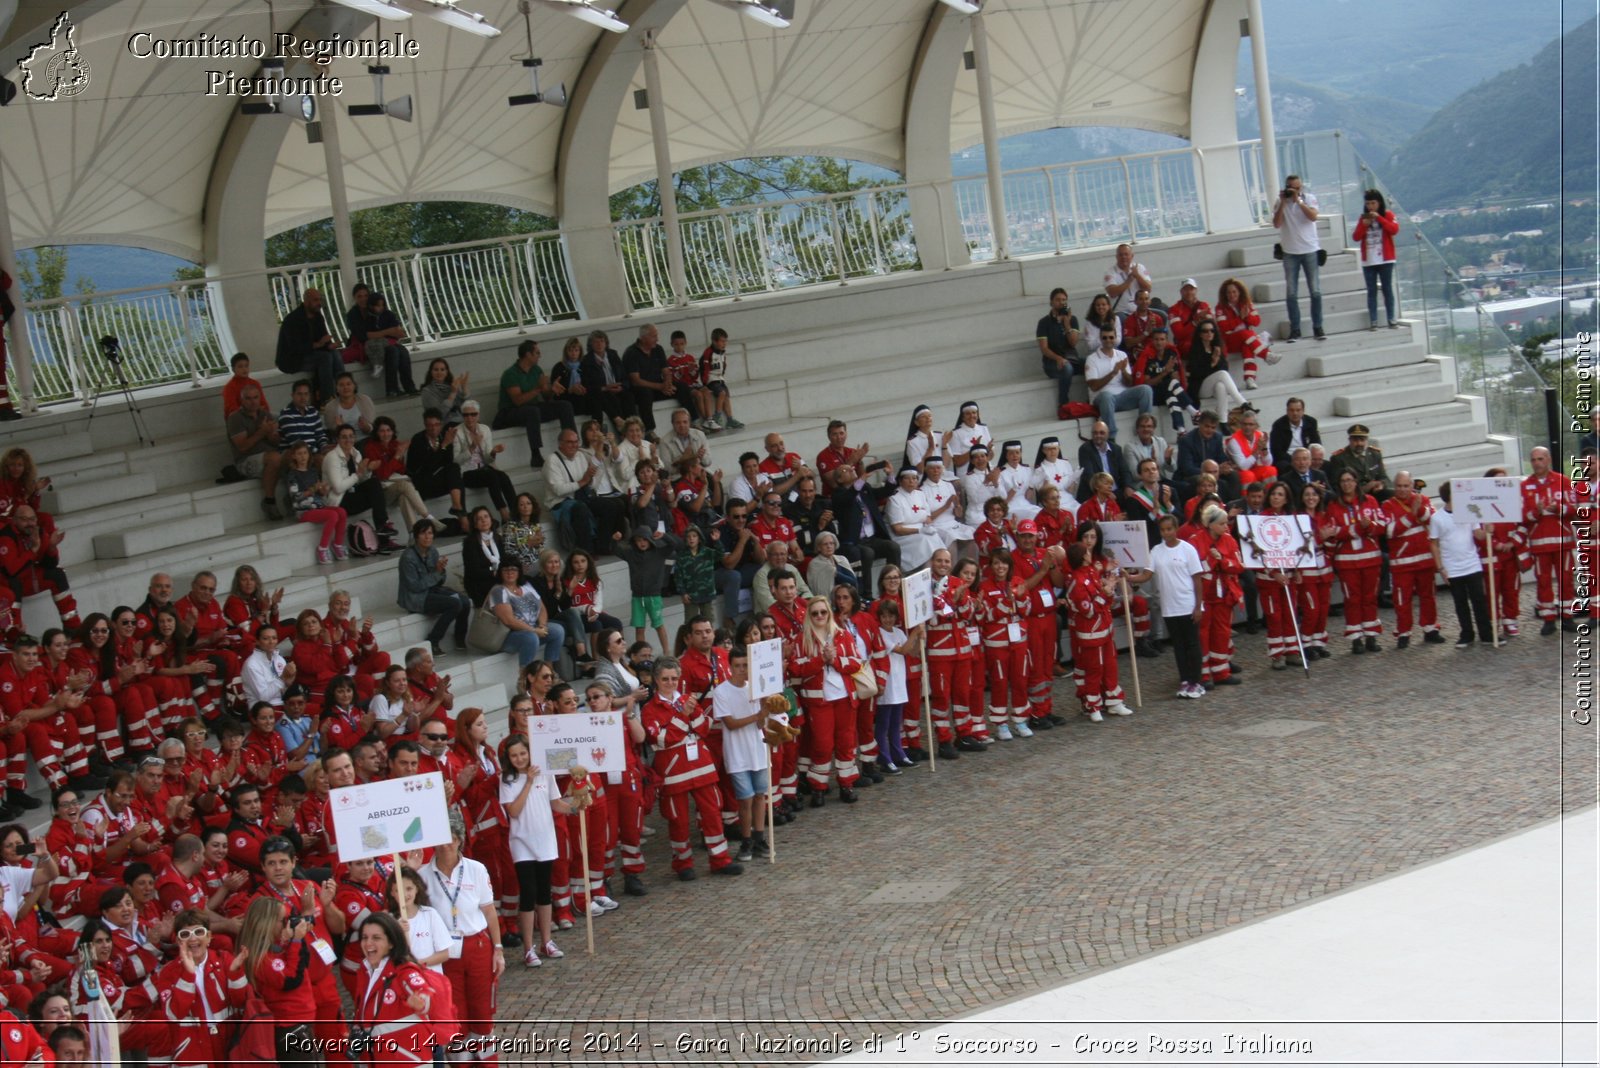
1376	125
1526	132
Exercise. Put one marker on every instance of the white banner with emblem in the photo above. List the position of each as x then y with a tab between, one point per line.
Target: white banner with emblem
1475	501
379	819
593	740
1278	542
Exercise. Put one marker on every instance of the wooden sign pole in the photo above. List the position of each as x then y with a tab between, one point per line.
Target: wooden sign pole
1133	643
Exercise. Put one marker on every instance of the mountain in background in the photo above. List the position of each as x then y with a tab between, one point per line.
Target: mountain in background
1526	132
1376	125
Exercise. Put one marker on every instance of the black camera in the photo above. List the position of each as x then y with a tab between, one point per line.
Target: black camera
111	349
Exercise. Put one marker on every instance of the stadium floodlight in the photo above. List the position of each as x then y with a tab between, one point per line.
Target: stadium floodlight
398	108
966	7
556	97
595	16
452	16
768	14
378	8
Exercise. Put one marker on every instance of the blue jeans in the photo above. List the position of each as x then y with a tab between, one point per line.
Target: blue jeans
1293	264
1379	274
530	647
1063	377
1133	397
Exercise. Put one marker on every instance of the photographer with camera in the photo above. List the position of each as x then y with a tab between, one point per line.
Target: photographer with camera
1057	335
1300	248
1374	238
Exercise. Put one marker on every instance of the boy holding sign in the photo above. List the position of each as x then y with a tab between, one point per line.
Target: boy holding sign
744	752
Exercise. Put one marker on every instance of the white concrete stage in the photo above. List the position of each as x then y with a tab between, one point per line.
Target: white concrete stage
1475	959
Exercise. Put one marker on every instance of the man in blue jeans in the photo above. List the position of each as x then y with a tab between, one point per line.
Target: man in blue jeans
1296	220
1112	386
1058	343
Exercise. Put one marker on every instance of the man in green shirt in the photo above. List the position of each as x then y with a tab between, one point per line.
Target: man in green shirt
526	399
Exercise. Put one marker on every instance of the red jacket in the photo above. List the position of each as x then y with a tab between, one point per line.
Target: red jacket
679	729
1407	530
1222	574
1549	533
1388	224
1347	544
1181	317
195	1042
1090	606
809	672
1234	323
1001	606
1101	511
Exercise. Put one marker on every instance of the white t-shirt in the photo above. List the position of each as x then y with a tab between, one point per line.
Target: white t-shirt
15	883
1299	231
743	748
428	935
1175	569
895	692
385	711
533	830
1098	366
1115	277
1457	549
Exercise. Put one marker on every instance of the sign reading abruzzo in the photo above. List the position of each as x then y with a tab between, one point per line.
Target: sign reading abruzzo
379	819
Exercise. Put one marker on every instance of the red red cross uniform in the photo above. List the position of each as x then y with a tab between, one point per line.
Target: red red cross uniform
1100	509
1141	607
1239	336
677	727
1549	506
827	693
701	673
1313	595
53	740
329	1023
199	1006
1275	589
1411	570
1350	534
32	567
488	841
1043	637
1094	652
863	627
1511	559
1181	318
355	902
133	703
1005	648
210	622
1222	594
401	1035
360	647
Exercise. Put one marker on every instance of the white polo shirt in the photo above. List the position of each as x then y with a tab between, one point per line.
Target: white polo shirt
460	896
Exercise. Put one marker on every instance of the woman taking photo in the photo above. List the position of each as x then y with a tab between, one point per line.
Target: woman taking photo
1374	241
274	954
525	793
530	632
1207	366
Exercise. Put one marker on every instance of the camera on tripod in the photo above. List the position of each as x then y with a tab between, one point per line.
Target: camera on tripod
111	349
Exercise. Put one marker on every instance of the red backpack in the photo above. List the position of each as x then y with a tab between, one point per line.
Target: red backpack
1078	410
255	1042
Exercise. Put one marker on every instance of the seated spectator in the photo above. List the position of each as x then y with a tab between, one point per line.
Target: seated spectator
1159	366
749	484
429	689
1198	446
632	449
1053	469
566	380
1057	334
1206	364
580	485
444	392
354	636
530	632
782	469
776	565
253	434
1319	459
523	536
1125	280
682	440
1111	383
714	377
236	383
810	514
828	568
864	533
1237	318
30	562
309	499
1291	430
968	432
385	450
944	501
1015	477
1148	445
351	483
481	553
1138	324
910	520
838	453
306	348
423	589
266	672
475	452
299	421
770	525
1101	319
683	371
741	555
1149	499
1357	457
1183	315
384	325
697	495
1247	448
319	660
606	382
545	577
1301	474
1100	454
347	407
526	400
645	365
431	464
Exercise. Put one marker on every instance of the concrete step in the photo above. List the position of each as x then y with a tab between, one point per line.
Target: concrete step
1462	461
1358	361
73	496
1394	398
151	537
1404	442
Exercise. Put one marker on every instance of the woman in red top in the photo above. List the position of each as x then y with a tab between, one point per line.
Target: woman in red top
316	662
996	531
1220	554
174	701
1101	561
1276	588
1237	318
20	482
249	606
360	645
1374	241
389	452
168	653
275	957
969	675
344	723
135	703
1315	589
1056	525
126	1003
1003	610
889	589
72	845
200	993
1102	507
394	995
851	616
488	840
95	721
1350	530
822	663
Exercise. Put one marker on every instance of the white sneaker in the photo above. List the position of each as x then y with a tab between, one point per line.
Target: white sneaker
1183	691
1117	708
1249	383
596	909
1021	730
1003	732
1096	717
606	903
553	951
530	959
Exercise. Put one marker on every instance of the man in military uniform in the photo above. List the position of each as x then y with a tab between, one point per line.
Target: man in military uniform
1365	462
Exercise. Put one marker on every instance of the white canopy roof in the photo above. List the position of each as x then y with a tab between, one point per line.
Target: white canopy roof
131	159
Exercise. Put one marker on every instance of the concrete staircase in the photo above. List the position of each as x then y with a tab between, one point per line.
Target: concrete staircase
867	353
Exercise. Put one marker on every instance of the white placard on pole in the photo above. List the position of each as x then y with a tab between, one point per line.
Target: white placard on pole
394	816
766	668
917	589
1485	500
1128	543
1278	542
593	740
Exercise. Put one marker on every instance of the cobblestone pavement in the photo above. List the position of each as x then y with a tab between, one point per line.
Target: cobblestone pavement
1083	847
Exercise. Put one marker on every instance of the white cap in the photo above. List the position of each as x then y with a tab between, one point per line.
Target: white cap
1189	282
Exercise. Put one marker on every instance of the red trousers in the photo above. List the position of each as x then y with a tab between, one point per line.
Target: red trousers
1216	640
866	734
831	732
911	727
627	810
561	871
1275	609
1413	595
1008	682
943	672
492	849
597	822
1043	634
1507	586
140	709
475	990
707	801
100	725
1094	673
1312	598
1141	614
786	765
1360	585
1552	574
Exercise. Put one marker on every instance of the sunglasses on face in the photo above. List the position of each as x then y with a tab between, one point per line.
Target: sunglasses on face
435	737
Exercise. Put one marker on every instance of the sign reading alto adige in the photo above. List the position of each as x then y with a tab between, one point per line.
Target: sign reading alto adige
379	819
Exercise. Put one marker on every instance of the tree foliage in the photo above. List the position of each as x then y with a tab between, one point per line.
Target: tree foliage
42	274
